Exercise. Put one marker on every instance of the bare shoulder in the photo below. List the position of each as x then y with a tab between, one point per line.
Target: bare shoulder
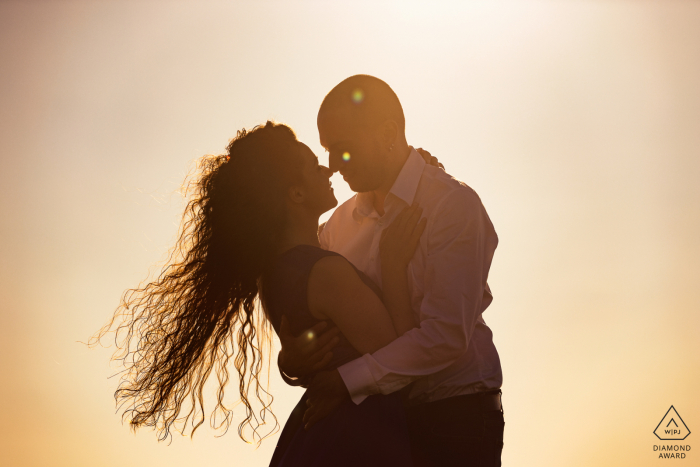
328	270
332	281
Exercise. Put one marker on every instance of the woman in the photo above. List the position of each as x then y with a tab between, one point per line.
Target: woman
250	231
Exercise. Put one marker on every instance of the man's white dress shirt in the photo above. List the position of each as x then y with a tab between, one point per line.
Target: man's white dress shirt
452	352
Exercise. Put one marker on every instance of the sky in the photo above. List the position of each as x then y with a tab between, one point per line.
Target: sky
577	123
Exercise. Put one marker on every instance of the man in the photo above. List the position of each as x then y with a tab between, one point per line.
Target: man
448	368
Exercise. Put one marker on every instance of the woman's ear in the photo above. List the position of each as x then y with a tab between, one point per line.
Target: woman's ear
296	194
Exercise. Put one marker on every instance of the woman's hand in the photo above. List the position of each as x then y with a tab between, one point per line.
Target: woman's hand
430	160
308	352
399	241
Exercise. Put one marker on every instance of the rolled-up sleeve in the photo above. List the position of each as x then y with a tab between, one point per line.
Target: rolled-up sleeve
460	242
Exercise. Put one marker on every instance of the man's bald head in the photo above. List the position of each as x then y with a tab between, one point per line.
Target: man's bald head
364	100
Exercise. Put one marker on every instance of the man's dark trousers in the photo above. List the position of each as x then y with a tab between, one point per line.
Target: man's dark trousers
460	431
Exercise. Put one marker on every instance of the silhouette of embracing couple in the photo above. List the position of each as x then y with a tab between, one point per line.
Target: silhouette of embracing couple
379	310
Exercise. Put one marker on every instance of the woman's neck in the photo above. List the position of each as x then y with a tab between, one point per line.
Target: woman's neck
300	231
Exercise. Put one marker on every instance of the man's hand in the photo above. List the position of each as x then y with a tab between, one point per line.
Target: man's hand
308	352
430	160
326	393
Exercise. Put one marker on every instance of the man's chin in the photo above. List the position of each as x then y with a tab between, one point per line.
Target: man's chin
363	188
358	186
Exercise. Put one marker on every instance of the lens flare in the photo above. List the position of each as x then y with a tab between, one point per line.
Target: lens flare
358	96
310	335
346	156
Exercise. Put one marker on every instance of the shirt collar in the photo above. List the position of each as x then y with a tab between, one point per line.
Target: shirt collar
404	187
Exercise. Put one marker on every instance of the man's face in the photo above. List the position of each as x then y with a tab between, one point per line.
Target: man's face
353	151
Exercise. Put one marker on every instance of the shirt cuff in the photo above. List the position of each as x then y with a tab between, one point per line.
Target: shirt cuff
358	379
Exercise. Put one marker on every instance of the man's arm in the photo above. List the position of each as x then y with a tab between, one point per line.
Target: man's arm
460	246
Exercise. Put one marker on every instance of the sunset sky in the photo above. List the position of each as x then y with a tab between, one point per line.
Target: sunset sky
577	123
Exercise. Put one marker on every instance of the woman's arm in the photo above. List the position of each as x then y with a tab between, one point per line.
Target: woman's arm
397	246
336	292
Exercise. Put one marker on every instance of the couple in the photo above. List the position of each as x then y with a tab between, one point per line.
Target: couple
379	311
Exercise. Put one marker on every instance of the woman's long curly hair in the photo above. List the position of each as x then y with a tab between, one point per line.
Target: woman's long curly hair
201	310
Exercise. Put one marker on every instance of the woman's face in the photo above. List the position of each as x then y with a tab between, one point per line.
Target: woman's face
319	195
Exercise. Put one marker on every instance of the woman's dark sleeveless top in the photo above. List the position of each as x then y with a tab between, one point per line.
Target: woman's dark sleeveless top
284	292
371	434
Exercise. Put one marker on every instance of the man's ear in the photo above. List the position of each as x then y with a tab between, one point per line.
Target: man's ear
388	133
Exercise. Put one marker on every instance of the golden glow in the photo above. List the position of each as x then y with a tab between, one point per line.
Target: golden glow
575	122
358	96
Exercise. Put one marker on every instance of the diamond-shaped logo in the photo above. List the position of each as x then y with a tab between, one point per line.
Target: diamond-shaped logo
671	427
